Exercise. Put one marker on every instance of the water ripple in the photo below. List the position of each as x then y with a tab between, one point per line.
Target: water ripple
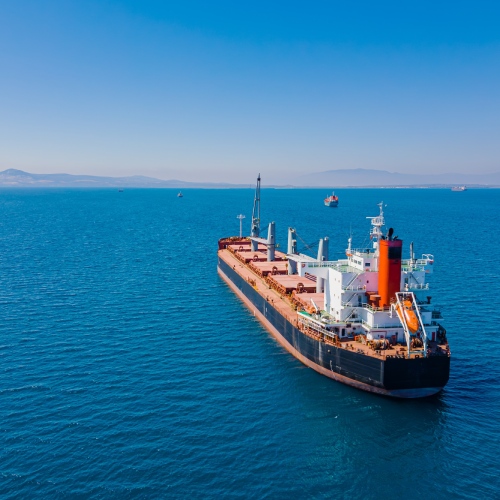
130	370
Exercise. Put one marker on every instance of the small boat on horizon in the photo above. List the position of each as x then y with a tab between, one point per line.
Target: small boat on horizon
332	201
459	188
179	194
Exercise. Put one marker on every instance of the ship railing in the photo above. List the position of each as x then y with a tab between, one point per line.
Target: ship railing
377	220
435	312
353	319
331	265
361	251
372	308
416	286
407	267
348	303
418	262
317	328
353	288
377	325
426	306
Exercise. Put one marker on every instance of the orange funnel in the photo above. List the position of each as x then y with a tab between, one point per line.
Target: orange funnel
389	270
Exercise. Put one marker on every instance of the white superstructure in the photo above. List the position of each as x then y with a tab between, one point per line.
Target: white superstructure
373	293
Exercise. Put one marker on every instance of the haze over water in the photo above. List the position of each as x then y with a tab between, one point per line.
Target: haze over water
129	369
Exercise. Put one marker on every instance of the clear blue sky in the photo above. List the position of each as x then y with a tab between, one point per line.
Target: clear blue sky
220	90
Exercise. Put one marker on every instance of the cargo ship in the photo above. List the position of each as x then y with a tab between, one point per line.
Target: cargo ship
366	320
332	201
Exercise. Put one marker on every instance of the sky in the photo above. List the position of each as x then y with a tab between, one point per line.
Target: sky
222	90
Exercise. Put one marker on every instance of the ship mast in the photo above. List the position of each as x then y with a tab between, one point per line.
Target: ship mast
256	216
241	217
377	223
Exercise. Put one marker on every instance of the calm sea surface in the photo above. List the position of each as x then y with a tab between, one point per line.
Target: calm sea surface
128	369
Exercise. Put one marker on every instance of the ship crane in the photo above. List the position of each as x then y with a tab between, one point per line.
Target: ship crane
255	232
270	242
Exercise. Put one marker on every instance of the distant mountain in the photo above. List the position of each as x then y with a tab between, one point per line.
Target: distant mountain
18	178
329	179
381	178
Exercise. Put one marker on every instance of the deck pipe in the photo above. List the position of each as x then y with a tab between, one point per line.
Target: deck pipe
271	236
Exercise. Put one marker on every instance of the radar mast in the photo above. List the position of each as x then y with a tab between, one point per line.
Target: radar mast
377	225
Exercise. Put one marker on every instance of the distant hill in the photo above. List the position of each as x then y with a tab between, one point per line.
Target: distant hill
329	179
381	178
18	178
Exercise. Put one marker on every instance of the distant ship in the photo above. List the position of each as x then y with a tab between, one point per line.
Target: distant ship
179	195
365	320
332	201
459	188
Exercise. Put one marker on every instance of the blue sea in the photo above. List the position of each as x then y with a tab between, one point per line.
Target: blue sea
128	368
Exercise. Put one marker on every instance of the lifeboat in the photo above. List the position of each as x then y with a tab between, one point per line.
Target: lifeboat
410	318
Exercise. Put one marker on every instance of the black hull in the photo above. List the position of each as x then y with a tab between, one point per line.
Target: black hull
397	377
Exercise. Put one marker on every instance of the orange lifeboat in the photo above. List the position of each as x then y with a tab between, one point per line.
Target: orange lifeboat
410	318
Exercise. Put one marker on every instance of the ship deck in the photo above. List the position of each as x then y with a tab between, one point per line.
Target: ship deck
281	291
271	295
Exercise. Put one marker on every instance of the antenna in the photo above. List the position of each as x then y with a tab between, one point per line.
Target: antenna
241	217
348	251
